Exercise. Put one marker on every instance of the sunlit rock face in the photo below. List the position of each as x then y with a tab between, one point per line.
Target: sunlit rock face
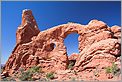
99	46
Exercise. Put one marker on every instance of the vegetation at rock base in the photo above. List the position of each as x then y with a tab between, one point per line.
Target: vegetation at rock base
71	64
27	75
34	69
73	79
50	75
113	69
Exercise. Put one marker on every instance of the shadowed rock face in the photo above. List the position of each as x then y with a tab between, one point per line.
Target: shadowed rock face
99	45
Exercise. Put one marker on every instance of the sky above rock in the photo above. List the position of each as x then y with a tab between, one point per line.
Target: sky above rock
49	14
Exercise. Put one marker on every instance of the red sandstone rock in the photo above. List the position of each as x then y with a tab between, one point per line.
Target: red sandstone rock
117	32
73	56
27	29
115	29
99	46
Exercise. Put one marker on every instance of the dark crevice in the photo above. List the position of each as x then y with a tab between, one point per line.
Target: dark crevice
71	63
50	47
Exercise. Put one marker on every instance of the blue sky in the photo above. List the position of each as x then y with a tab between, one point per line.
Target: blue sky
49	14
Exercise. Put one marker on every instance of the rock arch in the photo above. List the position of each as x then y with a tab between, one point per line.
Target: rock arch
34	47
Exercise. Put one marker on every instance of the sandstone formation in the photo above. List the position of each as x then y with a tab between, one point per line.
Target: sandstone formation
99	47
73	56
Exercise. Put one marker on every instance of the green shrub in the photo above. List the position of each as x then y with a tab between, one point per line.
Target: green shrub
113	69
108	70
71	64
50	75
73	79
27	75
34	69
21	69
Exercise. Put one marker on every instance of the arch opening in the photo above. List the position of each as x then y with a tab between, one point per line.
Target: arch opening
71	43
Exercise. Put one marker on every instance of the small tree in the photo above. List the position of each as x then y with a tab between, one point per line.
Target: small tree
113	69
27	75
50	75
71	64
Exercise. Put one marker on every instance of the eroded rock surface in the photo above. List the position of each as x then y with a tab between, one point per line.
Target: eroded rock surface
99	47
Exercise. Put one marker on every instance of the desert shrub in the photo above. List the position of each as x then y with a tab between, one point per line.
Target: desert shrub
27	75
108	70
73	79
21	69
50	75
71	64
34	69
113	69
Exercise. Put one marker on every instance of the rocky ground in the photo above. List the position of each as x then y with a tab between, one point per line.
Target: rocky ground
42	55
